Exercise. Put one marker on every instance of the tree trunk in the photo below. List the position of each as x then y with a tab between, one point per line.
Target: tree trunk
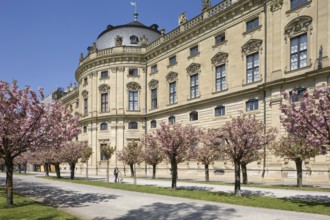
87	169
57	170
132	169
174	172
237	177
154	171
9	181
299	172
19	168
207	173
46	169
25	168
244	173
107	171
72	168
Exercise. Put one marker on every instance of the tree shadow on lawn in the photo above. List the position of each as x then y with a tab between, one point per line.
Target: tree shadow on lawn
182	211
59	197
311	199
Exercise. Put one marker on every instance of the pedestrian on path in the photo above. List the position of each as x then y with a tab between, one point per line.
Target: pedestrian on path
116	173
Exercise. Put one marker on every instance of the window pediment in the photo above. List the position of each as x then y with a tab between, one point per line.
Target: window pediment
219	58
133	86
252	46
104	88
298	25
153	84
84	94
193	68
171	76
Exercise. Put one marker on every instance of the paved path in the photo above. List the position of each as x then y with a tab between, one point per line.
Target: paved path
97	203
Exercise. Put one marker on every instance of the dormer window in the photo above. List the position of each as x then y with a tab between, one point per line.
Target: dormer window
134	39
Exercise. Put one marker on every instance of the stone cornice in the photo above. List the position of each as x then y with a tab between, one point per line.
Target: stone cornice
70	96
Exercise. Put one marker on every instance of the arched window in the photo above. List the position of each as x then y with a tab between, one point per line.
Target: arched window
134	39
193	116
132	125
104	126
153	124
171	120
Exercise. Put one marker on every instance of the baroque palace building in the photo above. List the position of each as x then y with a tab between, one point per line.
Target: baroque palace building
236	56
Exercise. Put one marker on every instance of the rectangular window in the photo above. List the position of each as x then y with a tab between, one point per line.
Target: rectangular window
154	69
252	105
153	98
133	101
104	102
85	81
172	93
220	78
250	25
172	60
85	107
133	72
102	157
219	111
297	3
194	86
252	68
104	74
220	39
194	51
298	52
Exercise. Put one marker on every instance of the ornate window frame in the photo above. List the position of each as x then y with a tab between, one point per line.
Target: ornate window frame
133	87
252	46
192	70
153	84
218	60
172	77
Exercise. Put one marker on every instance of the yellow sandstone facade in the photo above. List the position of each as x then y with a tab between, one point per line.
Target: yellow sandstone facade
237	56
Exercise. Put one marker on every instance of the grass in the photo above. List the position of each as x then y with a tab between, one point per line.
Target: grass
25	208
254	201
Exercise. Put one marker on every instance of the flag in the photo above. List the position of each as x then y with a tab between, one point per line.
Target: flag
133	3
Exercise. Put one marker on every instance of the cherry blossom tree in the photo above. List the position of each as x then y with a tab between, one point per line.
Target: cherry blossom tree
178	143
107	152
26	123
310	117
152	153
72	152
253	156
296	149
209	151
131	155
86	154
244	135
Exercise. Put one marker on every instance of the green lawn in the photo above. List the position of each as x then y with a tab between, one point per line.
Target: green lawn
256	201
28	209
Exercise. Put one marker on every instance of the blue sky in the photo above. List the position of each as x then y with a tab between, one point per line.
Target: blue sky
41	40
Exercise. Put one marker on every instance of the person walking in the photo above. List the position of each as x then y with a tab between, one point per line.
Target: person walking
116	173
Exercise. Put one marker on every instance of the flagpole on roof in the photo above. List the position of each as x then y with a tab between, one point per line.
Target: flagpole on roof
136	14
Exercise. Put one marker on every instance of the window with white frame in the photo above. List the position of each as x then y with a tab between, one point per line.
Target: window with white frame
297	3
252	104
171	120
172	60
104	74
133	101
220	78
193	116
194	86
252	68
153	124
252	24
85	106
154	69
298	52
132	125
219	111
194	51
104	126
154	98
104	102
172	92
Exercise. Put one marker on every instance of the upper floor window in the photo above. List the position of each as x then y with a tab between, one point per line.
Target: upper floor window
85	129
220	78
154	69
133	100
77	103
104	102
104	74
154	98
194	51
172	95
297	3
252	67
134	39
85	81
297	94
194	86
171	120
252	104
153	124
102	156
220	39
193	116
219	111
85	106
172	60
298	52
133	72
132	125
252	24
104	126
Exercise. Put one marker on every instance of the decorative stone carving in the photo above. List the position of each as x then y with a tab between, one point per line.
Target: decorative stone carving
84	94
104	88
206	4
162	31
276	5
133	86
92	49
252	46
153	84
298	25
113	69
193	68
118	40
171	76
219	58
144	40
121	69
319	60
81	58
182	18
